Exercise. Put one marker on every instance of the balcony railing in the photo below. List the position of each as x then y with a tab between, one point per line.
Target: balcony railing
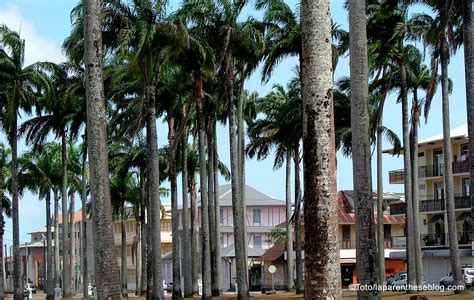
398	208
431	204
394	242
397	176
442	239
433	240
346	244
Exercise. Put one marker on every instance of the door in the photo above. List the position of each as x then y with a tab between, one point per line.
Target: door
438	162
346	275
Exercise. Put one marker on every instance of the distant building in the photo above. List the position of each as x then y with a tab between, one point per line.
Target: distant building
263	213
433	221
394	241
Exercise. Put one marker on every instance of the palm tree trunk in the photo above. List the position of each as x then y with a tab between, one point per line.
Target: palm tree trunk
57	271
2	232
367	266
237	205
298	240
322	268
174	210
138	257
149	252
241	156
215	274
18	292
49	250
414	189
289	232
448	171
143	235
72	243
154	192
65	220
469	71
205	256
188	285
123	258
85	271
105	266
380	204
194	235
217	212
407	176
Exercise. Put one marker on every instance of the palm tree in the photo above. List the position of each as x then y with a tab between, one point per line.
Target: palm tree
265	134
41	172
105	265
5	173
469	70
21	85
443	35
62	112
367	266
322	269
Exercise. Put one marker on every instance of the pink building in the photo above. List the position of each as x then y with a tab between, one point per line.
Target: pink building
264	213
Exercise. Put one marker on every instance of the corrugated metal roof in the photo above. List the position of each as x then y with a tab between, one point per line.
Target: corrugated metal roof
229	251
253	197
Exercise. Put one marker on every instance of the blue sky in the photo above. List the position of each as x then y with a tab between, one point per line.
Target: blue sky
44	25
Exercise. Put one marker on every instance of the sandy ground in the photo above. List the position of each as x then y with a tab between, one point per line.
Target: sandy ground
347	295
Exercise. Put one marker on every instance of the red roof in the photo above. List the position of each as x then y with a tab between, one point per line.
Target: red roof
346	213
274	253
77	217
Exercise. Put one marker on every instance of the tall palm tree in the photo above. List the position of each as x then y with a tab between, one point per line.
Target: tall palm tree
367	266
41	172
21	85
61	113
5	174
322	269
469	71
443	34
106	267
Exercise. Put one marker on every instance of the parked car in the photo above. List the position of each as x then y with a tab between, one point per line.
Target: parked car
401	281
467	274
394	277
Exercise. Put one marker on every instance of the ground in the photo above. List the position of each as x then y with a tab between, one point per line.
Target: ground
347	295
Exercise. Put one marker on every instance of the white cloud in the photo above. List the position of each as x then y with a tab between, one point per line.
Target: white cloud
38	48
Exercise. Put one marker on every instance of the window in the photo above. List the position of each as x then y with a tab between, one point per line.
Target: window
346	232
421	187
166	226
421	154
439	190
257	242
257	215
465	187
222	240
221	216
387	230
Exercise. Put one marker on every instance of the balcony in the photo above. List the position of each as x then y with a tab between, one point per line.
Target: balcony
442	240
433	240
398	208
432	205
397	176
394	242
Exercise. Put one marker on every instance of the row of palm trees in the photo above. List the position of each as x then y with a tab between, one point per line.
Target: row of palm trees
130	63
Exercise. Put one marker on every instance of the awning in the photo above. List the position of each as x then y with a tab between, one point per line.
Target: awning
229	251
465	216
436	219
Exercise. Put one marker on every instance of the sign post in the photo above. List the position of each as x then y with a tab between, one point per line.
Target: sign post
272	269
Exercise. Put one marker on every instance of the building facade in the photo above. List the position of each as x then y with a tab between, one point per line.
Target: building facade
433	222
394	242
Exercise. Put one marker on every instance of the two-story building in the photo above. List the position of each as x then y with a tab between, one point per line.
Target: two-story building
433	222
263	213
394	242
